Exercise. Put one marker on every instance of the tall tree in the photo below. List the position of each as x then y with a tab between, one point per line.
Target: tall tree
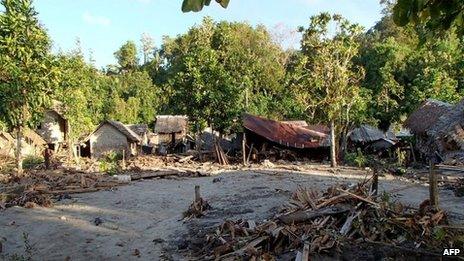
127	57
216	71
148	47
27	71
329	81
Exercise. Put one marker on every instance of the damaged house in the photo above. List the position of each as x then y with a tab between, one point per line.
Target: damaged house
110	136
32	143
262	134
7	144
54	128
170	131
447	134
371	139
423	119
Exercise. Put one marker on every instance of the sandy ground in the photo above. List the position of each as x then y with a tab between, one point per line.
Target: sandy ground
142	221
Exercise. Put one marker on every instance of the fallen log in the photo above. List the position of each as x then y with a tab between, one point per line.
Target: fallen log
305	215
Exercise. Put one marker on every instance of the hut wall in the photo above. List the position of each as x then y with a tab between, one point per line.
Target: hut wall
107	139
53	128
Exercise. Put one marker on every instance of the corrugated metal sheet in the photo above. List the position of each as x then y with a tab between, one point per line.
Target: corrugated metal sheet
367	133
283	133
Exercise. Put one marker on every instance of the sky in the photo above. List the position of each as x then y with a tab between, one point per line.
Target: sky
102	26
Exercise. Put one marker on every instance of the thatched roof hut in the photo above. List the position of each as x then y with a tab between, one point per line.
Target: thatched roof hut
166	124
448	131
424	117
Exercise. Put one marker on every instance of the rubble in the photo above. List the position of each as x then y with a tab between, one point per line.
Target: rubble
327	222
198	206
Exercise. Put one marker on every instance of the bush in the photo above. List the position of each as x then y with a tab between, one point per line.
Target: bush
32	161
356	158
109	163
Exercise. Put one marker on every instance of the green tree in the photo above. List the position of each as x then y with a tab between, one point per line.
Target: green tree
28	74
216	71
436	15
127	57
78	93
328	81
197	5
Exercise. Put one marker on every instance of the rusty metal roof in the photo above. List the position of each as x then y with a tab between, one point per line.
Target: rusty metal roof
285	134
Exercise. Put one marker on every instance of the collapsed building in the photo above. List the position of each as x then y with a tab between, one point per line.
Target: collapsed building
54	128
170	133
422	123
267	138
371	139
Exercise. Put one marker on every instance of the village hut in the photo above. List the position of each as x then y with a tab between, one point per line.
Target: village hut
170	129
142	131
371	138
110	136
422	121
32	143
266	135
54	128
447	134
6	144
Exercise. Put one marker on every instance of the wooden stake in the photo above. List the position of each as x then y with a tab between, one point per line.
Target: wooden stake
375	183
197	193
123	159
244	149
433	184
249	153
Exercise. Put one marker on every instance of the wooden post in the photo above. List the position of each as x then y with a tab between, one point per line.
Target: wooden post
333	153
249	153
19	162
244	149
197	193
375	183
433	184
123	159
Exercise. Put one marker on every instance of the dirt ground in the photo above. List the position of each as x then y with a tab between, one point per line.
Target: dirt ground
142	221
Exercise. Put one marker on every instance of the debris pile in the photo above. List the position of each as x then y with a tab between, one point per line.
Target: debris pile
325	223
198	206
38	187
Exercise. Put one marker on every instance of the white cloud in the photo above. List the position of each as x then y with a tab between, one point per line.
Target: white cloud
95	19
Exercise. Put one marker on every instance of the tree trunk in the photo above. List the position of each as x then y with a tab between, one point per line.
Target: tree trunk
19	162
344	144
244	148
333	153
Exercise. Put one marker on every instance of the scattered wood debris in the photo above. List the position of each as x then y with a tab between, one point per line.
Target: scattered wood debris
198	206
324	223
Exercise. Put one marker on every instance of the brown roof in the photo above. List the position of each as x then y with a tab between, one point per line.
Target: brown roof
131	135
450	126
139	129
6	136
324	129
34	137
424	117
297	123
171	123
284	133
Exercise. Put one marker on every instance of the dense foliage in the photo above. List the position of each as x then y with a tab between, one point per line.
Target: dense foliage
218	70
